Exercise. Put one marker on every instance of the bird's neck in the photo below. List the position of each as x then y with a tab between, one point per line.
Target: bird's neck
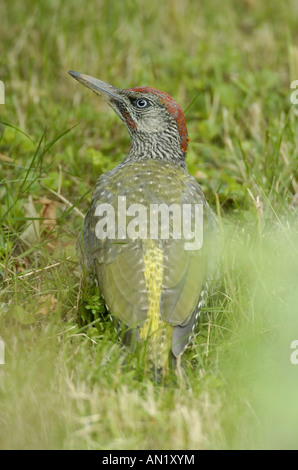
163	145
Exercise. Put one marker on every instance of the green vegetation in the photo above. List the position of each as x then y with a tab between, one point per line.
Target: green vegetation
67	384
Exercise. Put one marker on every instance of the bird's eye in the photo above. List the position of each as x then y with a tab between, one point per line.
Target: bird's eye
142	103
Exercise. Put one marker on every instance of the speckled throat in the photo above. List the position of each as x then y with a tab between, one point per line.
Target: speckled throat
163	145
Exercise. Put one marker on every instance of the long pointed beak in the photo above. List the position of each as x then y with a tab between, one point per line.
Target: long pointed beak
106	91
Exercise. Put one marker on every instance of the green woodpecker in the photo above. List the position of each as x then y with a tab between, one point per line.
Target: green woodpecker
143	234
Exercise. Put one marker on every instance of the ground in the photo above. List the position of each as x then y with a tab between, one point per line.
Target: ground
66	383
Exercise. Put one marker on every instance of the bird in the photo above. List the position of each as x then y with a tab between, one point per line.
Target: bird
154	284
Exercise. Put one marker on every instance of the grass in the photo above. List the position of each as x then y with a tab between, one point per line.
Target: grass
70	385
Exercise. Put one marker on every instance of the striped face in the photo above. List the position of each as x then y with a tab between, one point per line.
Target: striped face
154	120
144	98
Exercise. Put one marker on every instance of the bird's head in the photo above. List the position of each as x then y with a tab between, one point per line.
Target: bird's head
154	120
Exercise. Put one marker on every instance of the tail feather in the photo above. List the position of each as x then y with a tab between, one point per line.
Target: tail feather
182	335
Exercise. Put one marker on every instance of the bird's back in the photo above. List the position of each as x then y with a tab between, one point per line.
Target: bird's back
150	281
